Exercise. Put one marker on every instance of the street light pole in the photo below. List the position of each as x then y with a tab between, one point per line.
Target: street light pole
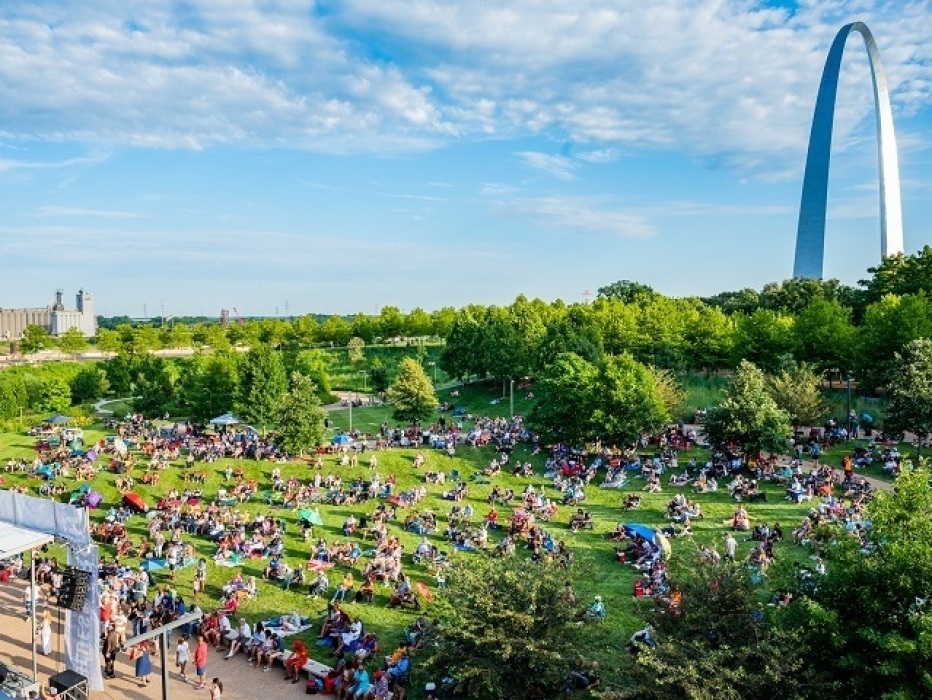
511	401
848	416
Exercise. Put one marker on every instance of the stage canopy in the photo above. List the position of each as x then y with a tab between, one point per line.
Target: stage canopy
15	539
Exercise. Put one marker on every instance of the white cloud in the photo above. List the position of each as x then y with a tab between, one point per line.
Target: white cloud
580	215
53	211
732	82
558	166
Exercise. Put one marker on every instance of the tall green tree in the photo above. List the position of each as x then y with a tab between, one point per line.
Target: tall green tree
108	340
262	385
900	274
72	341
888	326
763	337
627	291
412	395
797	390
35	338
614	401
565	392
315	365
356	350
715	646
910	391
825	335
299	419
502	631
89	384
747	416
866	627
628	401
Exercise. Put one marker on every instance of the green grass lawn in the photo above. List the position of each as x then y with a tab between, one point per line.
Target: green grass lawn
599	571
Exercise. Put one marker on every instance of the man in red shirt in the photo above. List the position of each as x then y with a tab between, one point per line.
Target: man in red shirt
200	661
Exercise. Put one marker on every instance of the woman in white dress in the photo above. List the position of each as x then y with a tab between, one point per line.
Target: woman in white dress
44	632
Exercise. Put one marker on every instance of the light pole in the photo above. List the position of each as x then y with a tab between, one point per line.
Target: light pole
851	423
511	397
434	365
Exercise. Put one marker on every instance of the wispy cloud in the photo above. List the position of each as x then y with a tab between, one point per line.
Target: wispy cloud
578	214
730	82
77	212
558	166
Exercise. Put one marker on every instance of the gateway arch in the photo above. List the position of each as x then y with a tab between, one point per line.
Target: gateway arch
810	236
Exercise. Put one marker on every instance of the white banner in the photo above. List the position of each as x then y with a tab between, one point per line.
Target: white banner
70	523
45	515
82	629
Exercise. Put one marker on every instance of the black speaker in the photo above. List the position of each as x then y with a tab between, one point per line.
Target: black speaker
66	680
74	585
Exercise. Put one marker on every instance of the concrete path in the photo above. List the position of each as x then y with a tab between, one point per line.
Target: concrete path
241	681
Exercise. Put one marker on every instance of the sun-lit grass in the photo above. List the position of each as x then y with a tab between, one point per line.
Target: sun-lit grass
599	572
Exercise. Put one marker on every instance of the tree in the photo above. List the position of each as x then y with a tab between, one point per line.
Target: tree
715	645
154	382
748	417
763	337
315	365
179	336
825	335
145	339
262	385
335	330
109	340
671	393
900	274
299	419
55	395
525	653
412	396
89	384
614	401
866	626
628	401
378	375
13	397
72	341
210	385
627	291
355	350
391	322
565	401
35	338
796	390
888	326
910	391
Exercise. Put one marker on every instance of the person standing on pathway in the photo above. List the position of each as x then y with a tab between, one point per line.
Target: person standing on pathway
216	690
181	656
200	661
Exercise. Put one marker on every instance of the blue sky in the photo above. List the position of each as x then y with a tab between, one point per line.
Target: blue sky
338	156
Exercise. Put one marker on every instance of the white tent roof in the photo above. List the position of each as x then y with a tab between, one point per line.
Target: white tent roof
15	539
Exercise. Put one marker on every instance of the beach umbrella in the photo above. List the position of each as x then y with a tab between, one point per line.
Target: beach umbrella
134	501
226	419
661	541
93	499
312	516
638	529
152	564
58	419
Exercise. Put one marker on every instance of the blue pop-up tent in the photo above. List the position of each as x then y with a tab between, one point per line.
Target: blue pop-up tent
647	533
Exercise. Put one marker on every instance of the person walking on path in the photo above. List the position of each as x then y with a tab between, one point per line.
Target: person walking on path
111	647
140	653
44	632
216	689
200	662
181	656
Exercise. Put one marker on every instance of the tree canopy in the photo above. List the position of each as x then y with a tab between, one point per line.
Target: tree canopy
412	396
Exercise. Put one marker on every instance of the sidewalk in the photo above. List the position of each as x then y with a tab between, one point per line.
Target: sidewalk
241	681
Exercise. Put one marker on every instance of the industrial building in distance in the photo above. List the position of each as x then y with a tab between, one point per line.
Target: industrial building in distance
56	319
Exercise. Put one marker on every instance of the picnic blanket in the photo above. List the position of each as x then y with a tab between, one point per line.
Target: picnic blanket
317	565
275	624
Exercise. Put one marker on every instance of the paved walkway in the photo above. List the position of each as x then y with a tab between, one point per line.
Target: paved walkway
241	681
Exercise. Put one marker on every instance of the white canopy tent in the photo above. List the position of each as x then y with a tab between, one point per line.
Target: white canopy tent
15	540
